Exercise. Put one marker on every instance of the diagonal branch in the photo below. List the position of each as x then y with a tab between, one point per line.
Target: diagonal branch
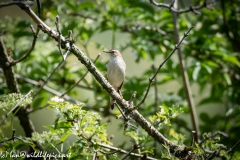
233	147
134	147
50	90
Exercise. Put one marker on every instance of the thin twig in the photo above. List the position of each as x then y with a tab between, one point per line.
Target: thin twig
39	8
35	33
213	135
85	87
50	90
160	66
38	108
95	155
122	114
155	103
19	102
156	90
123	151
108	153
132	98
134	147
190	9
171	5
138	27
82	15
125	118
216	153
232	148
175	48
127	123
6	4
130	105
57	23
24	141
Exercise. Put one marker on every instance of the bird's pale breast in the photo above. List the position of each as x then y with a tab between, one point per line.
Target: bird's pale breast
116	72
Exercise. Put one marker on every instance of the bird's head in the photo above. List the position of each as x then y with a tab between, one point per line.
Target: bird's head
113	53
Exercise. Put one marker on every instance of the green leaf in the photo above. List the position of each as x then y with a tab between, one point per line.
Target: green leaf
196	72
166	79
63	138
86	5
227	78
207	67
231	59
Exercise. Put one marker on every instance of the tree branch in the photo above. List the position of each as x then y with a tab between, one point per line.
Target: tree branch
134	147
190	9
160	66
232	148
213	136
50	90
6	4
35	33
186	82
123	151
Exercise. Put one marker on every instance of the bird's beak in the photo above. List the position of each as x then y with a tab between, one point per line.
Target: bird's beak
107	51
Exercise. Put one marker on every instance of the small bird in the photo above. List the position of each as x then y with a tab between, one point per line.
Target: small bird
115	72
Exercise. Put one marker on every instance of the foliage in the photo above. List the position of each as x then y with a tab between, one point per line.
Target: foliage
10	100
73	120
69	120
